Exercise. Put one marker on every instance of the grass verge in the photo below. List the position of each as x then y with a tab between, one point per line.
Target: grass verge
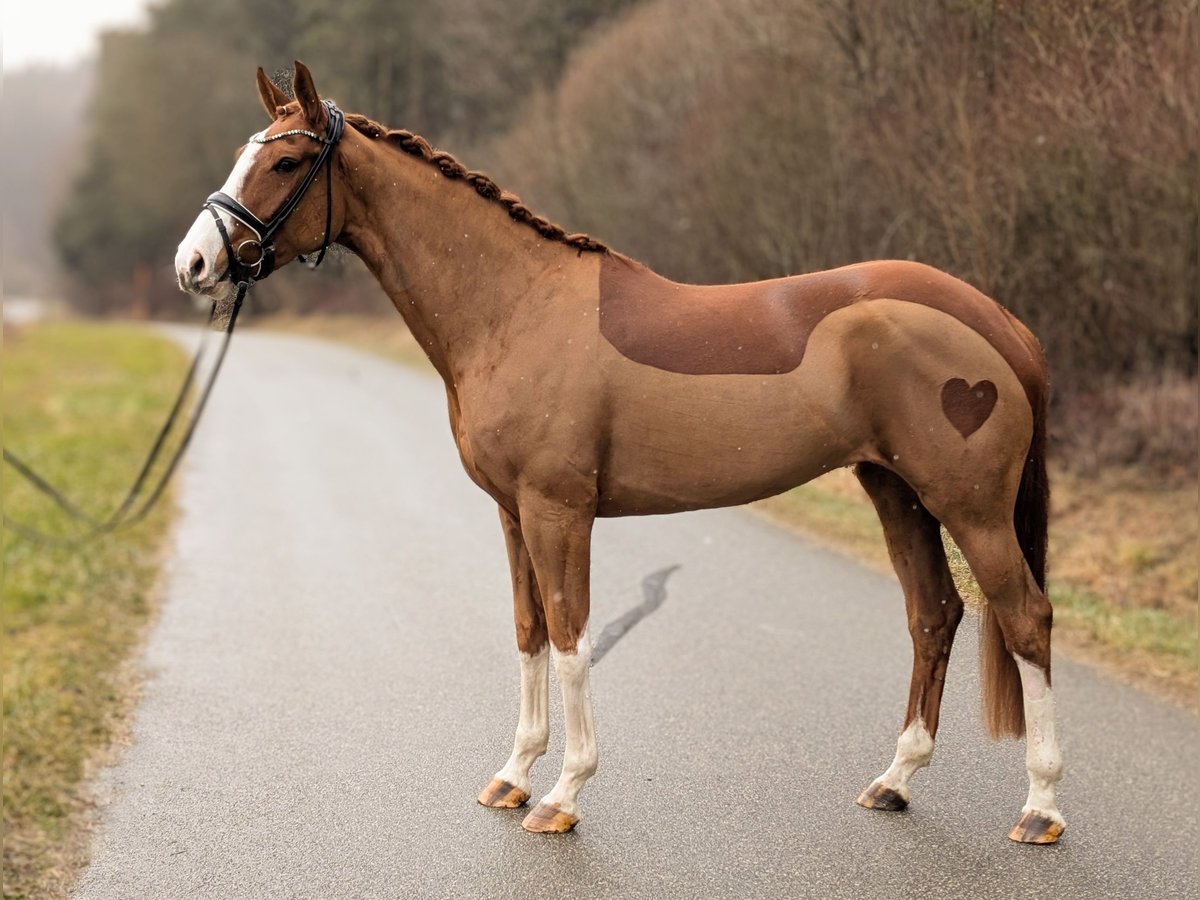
81	403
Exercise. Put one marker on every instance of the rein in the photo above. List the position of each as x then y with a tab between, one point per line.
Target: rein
241	271
125	515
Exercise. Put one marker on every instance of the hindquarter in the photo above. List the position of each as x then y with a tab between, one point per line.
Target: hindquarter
945	410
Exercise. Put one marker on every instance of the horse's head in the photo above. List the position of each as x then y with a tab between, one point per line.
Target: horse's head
279	201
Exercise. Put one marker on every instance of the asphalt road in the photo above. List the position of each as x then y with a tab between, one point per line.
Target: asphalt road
333	678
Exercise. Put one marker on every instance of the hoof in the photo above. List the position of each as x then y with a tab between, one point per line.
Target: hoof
1037	827
499	794
547	818
879	797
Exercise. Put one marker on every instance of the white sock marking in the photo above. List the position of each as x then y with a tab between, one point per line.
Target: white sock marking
533	723
203	235
1042	757
579	755
914	750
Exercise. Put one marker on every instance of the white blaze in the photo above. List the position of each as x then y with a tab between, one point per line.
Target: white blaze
203	236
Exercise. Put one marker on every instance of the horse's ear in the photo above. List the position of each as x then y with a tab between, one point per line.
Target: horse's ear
272	96
306	93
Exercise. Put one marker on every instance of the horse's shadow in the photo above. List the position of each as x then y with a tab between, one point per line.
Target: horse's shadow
654	591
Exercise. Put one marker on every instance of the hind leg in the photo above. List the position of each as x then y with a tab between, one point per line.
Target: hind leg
510	787
934	610
1024	617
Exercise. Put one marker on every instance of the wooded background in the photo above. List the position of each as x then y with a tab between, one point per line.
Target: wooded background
1046	152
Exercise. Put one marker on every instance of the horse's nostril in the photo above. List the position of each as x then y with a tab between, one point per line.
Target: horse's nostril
196	268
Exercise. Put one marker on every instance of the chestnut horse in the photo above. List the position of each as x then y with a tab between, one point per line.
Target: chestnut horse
670	397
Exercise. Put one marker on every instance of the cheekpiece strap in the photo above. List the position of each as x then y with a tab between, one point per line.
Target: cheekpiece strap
264	263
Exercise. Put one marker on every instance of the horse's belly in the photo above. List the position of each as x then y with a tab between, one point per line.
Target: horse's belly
686	442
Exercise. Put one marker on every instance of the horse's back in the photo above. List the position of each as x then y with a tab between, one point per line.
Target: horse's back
765	327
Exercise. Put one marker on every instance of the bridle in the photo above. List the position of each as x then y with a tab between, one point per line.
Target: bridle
254	258
242	272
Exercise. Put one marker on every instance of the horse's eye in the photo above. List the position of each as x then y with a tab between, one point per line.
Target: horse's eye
287	164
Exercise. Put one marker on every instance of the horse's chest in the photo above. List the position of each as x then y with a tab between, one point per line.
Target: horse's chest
505	440
469	443
490	446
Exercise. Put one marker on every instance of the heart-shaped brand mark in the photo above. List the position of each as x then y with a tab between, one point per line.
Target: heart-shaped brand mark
968	406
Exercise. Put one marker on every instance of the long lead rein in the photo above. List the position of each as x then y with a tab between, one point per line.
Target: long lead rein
119	512
121	517
242	273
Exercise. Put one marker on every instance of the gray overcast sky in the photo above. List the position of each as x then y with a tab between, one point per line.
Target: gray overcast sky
61	31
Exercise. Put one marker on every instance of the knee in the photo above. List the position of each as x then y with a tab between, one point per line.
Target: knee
572	668
936	625
531	636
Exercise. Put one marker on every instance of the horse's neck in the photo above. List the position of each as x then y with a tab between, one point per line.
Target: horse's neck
457	268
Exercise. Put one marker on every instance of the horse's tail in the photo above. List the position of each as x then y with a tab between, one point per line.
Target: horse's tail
1003	705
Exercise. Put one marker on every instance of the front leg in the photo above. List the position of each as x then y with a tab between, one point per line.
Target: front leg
558	534
510	788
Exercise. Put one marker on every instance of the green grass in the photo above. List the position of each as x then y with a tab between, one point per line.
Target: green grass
1139	630
81	403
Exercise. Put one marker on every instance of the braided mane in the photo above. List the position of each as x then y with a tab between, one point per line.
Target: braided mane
415	145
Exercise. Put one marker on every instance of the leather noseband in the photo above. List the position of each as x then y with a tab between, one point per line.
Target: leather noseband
254	258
